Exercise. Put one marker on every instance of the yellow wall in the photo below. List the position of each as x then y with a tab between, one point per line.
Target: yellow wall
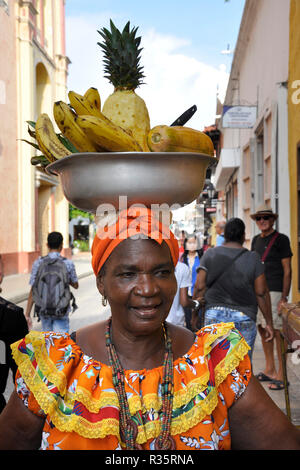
294	135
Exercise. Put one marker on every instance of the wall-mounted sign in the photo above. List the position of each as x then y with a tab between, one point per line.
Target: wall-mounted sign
239	117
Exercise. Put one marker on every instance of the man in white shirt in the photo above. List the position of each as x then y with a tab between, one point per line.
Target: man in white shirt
181	299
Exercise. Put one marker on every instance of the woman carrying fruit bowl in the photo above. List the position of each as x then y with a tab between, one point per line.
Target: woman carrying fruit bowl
136	381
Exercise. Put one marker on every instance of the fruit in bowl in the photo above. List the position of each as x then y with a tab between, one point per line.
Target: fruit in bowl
123	123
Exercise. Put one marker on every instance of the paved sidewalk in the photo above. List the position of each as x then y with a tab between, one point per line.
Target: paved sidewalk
16	287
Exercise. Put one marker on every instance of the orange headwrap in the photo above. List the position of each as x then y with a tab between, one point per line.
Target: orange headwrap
130	222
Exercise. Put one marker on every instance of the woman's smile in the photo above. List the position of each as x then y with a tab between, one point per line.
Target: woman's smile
146	311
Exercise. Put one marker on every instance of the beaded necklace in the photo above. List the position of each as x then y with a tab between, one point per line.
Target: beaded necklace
128	427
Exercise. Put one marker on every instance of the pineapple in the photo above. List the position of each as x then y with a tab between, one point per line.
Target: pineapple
122	68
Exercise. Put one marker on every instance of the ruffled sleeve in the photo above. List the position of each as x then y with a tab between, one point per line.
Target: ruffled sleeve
55	377
230	365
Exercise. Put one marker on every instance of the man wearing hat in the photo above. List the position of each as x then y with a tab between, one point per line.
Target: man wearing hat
275	252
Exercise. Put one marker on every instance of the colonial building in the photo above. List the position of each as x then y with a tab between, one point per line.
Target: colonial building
253	165
33	74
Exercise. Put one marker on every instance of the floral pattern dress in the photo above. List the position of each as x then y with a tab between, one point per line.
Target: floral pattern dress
75	393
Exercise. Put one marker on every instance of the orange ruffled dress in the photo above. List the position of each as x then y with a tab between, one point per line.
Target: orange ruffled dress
76	394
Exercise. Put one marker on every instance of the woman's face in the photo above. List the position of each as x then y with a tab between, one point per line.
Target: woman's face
140	284
191	244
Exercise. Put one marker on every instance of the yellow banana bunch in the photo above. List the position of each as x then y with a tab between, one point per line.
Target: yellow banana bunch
83	105
47	139
93	97
66	120
103	133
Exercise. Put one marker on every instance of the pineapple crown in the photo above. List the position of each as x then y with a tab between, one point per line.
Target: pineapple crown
122	56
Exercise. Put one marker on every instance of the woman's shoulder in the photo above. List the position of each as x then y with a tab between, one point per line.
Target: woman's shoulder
217	360
44	350
91	340
218	342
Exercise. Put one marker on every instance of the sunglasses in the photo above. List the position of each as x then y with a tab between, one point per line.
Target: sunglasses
262	217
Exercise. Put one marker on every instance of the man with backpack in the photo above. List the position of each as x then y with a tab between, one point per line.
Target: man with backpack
50	282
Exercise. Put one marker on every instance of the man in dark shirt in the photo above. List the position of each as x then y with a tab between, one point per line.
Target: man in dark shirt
275	252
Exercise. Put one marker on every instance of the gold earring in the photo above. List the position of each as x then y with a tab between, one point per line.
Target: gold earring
104	301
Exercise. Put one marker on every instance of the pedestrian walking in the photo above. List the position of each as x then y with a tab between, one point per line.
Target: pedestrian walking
232	281
50	282
181	299
275	252
191	257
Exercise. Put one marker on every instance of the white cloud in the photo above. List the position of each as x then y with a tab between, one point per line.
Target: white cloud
174	81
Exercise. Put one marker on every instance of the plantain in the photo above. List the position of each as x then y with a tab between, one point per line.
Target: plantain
102	132
66	120
179	139
93	97
48	142
82	105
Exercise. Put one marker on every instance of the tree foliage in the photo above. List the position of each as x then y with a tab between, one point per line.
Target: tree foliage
74	213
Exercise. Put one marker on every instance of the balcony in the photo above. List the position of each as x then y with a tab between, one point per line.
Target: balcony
229	161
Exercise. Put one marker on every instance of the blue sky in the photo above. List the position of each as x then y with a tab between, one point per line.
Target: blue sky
182	51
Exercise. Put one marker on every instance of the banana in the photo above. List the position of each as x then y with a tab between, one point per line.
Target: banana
47	139
82	105
102	132
66	120
93	97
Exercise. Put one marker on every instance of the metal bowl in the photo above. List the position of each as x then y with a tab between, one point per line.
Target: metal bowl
91	179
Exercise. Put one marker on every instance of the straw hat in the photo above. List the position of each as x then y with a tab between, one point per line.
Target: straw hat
264	210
